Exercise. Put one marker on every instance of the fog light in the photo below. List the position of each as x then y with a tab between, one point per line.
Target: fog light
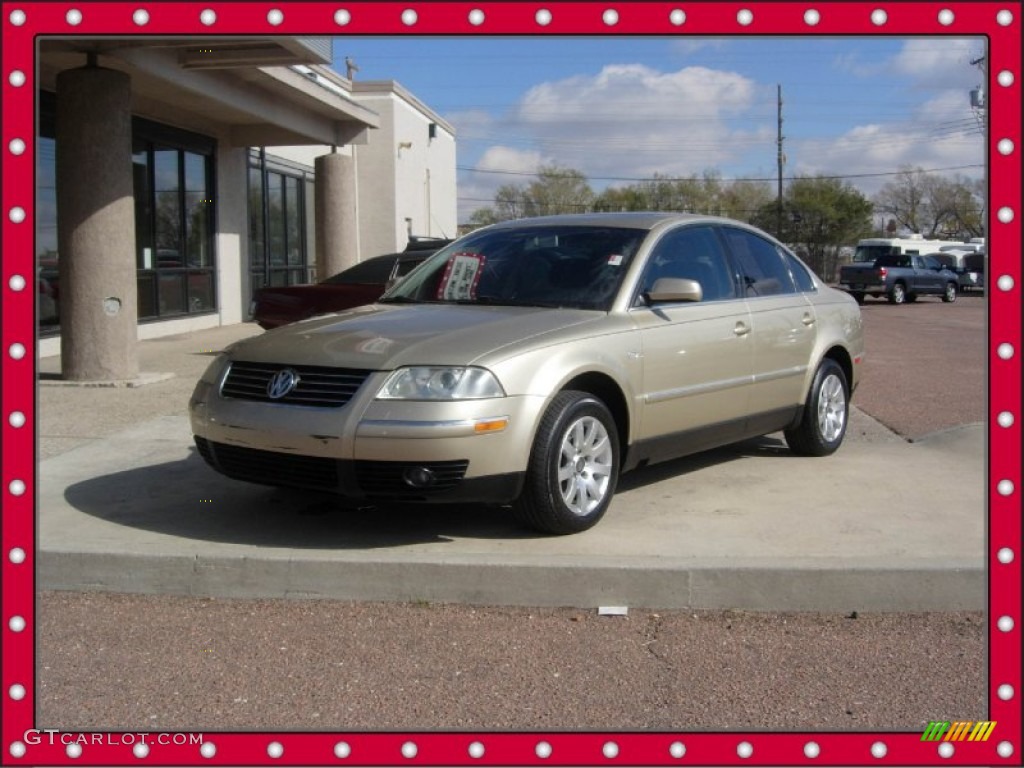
418	477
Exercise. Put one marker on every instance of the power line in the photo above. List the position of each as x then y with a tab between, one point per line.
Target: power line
737	179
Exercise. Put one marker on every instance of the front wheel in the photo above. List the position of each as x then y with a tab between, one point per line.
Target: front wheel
949	295
574	466
823	425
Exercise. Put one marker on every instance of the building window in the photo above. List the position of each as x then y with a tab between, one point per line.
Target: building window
172	172
173	224
47	282
277	216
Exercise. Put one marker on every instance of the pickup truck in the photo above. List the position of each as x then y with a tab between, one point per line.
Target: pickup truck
900	278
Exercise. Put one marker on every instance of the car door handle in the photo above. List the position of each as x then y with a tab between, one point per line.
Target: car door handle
741	329
808	320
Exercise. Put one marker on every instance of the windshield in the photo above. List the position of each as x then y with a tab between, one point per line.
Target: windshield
578	267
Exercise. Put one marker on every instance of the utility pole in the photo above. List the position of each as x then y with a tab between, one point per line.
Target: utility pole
978	94
781	161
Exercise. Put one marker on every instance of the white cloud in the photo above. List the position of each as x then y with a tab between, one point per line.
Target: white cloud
939	62
632	120
939	132
510	159
476	190
627	121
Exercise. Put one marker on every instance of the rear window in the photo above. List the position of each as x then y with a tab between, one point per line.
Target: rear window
893	260
869	254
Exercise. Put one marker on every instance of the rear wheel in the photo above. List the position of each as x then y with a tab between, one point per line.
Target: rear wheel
949	295
858	297
898	294
574	466
823	425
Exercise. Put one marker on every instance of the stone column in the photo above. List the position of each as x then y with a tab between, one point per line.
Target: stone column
337	232
96	225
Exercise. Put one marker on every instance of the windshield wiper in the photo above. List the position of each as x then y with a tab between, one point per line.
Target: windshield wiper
398	300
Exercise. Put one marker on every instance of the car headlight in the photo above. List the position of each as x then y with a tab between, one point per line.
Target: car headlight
440	383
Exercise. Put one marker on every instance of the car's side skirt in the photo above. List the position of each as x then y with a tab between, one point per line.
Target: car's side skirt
677	444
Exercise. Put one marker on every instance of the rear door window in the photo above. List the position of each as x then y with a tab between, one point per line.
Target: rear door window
763	270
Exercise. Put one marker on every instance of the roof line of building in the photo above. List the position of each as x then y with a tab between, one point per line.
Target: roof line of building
393	86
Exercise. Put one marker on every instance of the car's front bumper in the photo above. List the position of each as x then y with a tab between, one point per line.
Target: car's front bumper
473	450
369	480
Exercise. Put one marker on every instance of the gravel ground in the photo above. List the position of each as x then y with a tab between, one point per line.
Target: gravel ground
203	664
140	662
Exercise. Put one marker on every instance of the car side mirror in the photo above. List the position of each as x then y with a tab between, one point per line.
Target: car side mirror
674	289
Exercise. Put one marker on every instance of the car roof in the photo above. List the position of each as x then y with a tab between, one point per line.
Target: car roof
628	219
426	244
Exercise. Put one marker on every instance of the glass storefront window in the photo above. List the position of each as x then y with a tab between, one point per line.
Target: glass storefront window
275	196
48	283
174	230
293	222
172	173
197	212
143	210
168	208
277	241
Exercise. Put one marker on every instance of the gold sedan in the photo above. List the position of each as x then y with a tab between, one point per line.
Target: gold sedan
530	363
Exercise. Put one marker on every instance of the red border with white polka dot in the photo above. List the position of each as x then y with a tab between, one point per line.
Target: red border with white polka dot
1000	22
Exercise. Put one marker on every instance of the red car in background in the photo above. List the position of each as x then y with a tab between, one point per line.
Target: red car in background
361	284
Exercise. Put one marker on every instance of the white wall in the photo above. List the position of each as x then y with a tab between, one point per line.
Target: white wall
398	182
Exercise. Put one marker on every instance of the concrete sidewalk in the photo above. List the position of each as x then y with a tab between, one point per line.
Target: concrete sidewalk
126	504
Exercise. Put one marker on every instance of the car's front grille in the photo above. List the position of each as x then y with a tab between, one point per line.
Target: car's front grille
270	467
388	478
317	385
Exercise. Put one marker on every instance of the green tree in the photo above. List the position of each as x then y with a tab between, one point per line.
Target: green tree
743	199
820	215
556	190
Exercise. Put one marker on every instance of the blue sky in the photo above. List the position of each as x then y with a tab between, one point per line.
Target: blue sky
619	109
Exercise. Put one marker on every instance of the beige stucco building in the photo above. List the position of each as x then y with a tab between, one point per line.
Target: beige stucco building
175	177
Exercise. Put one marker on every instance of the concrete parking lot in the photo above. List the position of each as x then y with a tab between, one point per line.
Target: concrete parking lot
126	507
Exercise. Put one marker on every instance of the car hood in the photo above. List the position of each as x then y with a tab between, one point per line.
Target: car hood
384	337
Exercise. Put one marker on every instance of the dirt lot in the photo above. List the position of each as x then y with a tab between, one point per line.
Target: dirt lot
926	364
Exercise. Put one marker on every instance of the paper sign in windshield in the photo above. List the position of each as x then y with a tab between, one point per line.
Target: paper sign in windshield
461	277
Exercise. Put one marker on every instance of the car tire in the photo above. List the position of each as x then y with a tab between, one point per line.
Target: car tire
858	297
825	416
898	294
949	295
574	466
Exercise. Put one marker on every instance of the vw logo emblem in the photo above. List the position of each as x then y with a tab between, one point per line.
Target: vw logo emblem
282	382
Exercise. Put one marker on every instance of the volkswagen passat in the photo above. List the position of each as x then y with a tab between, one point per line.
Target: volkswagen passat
529	363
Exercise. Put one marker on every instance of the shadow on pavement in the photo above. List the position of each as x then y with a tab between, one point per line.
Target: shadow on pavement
187	499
